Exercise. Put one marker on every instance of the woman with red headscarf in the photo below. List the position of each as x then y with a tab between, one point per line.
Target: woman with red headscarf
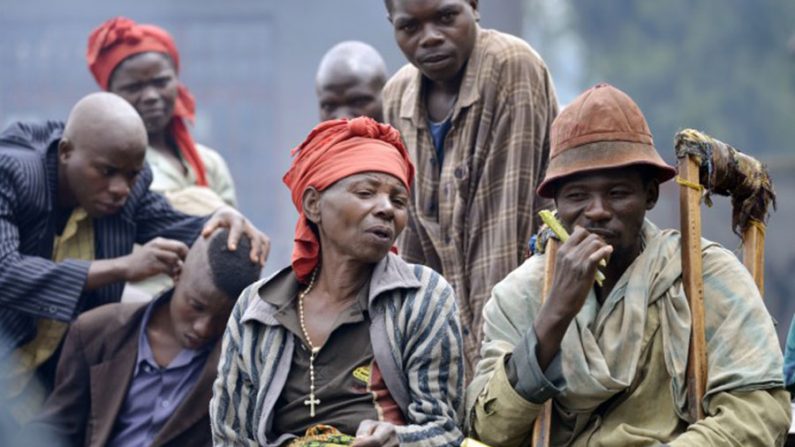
349	345
140	63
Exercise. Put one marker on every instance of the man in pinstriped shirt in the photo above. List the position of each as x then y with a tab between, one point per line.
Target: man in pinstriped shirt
93	165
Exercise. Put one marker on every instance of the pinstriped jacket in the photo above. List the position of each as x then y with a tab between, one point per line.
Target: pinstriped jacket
31	285
416	339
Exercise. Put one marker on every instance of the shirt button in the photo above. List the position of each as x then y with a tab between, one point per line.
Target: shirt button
164	404
458	173
52	309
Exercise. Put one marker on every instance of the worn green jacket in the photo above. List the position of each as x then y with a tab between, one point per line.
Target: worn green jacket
746	405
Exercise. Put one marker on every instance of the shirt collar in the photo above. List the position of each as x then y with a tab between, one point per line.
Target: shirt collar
391	273
412	104
145	355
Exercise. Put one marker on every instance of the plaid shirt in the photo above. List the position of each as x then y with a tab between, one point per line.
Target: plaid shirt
471	219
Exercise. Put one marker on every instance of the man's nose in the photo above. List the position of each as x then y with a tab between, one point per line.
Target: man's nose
598	210
431	36
119	187
202	327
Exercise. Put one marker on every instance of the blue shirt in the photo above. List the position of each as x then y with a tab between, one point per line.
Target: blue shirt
155	393
438	133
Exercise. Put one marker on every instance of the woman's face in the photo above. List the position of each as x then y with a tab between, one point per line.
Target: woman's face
149	82
361	215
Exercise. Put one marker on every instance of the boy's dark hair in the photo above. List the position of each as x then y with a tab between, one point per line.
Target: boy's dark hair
232	271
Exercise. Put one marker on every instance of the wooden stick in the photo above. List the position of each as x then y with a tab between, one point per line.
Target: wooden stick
690	215
754	254
542	426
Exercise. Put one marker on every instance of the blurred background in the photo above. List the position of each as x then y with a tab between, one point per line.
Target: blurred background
726	67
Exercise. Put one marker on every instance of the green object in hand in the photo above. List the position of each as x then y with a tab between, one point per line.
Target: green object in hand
554	224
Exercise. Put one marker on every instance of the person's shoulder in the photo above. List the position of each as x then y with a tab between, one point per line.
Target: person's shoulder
433	284
528	275
256	302
106	319
397	84
26	142
209	154
511	59
507	48
30	135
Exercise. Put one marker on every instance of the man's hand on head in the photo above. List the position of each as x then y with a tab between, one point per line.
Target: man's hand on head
375	434
156	256
228	217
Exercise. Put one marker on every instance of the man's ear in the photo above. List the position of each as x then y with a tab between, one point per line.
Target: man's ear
65	149
474	5
652	194
310	203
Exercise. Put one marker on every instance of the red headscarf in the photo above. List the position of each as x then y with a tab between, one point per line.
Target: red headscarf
334	150
120	38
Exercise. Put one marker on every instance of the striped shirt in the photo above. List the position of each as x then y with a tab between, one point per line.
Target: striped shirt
416	338
471	215
75	242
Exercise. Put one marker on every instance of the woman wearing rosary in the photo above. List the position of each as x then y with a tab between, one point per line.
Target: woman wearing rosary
350	345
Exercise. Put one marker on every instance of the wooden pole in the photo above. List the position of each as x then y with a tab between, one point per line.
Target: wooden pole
754	253
542	426
693	281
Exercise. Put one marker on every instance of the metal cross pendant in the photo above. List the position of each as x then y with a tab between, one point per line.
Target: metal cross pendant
312	401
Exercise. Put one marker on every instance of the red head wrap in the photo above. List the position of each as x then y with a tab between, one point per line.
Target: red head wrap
334	150
120	38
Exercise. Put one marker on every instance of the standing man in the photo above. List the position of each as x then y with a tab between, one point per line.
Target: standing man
474	108
73	201
349	81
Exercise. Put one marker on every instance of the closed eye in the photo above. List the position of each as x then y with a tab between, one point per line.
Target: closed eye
575	196
400	202
406	26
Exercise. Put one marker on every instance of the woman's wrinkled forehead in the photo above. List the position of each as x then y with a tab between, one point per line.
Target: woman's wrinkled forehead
370	177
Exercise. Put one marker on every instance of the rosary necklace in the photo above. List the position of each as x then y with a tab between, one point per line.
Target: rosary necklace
313	400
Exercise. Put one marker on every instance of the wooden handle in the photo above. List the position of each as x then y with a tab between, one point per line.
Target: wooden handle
754	254
693	281
542	425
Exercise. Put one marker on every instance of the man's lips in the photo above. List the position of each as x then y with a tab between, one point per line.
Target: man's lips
601	232
433	59
111	208
195	341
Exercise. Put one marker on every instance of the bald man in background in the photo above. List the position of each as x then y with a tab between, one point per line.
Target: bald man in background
74	199
349	82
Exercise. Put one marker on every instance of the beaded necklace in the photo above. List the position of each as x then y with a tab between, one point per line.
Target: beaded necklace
313	400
